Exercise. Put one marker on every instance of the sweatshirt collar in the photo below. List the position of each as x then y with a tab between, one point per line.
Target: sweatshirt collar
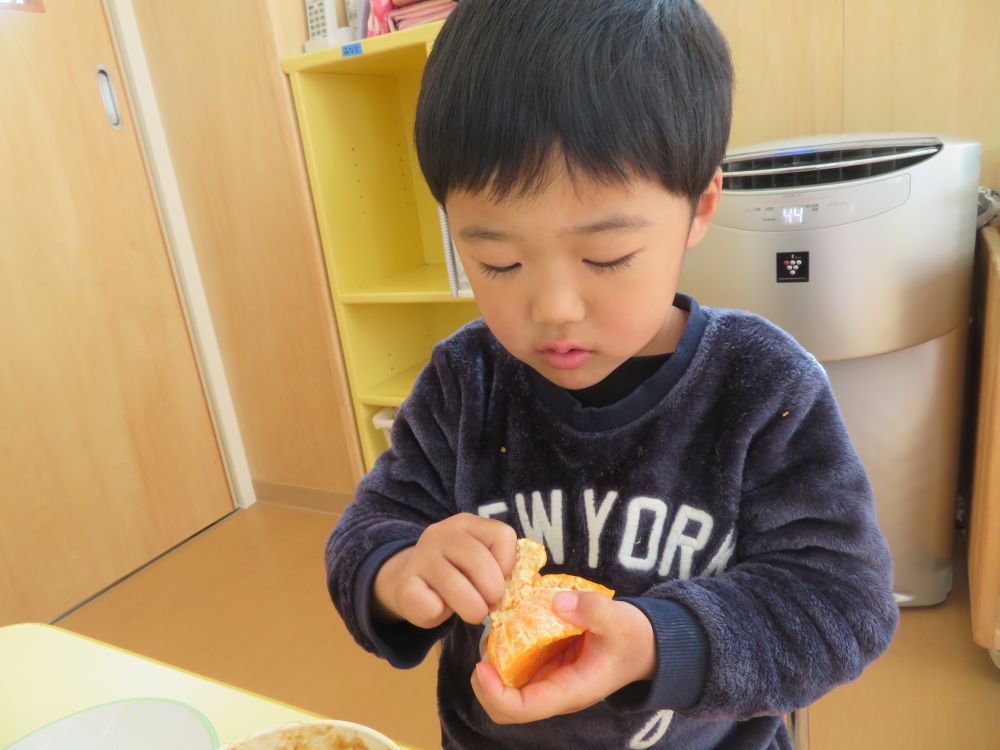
643	398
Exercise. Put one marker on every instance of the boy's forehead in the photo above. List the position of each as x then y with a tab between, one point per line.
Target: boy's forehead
553	205
556	185
585	209
580	195
497	228
554	176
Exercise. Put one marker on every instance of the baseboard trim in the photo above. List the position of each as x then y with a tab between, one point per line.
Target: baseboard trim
301	497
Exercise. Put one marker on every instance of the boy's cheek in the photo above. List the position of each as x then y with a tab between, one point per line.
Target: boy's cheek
511	331
624	328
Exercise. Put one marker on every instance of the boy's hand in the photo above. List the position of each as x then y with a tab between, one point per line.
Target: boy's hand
617	649
459	566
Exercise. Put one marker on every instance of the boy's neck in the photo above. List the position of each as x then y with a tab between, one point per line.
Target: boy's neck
669	335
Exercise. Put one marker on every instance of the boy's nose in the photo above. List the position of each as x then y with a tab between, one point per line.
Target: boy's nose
557	304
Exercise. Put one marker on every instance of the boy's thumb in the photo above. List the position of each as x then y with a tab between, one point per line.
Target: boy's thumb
585	608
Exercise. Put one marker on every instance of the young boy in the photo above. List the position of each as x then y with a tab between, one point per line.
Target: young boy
692	459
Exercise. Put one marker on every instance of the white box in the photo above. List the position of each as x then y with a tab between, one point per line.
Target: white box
383	421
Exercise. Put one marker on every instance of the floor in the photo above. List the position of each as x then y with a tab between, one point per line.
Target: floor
934	689
246	603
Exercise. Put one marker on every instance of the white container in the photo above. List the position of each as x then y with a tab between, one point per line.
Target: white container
383	421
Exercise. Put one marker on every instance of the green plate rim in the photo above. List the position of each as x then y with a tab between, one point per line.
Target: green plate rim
213	735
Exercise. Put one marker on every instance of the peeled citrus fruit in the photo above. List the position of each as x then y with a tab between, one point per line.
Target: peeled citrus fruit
525	632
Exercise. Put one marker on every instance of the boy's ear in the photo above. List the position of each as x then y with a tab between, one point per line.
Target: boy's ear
705	212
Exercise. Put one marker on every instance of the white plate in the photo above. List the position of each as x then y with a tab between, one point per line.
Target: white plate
147	723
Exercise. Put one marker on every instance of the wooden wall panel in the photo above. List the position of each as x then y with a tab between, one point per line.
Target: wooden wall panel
925	65
984	521
288	23
227	112
788	56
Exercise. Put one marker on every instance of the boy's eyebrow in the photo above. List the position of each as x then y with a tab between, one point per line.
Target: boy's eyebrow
612	223
475	232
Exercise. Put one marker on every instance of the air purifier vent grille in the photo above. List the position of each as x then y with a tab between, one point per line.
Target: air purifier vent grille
828	165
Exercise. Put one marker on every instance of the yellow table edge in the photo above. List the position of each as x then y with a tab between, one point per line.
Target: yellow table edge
297	713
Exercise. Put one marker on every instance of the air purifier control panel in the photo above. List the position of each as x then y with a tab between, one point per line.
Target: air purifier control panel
792	267
796	209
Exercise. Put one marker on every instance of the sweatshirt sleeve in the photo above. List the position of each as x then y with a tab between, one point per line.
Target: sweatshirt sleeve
681	659
806	603
410	487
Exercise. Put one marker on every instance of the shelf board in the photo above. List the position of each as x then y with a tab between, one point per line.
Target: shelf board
393	391
380	55
428	283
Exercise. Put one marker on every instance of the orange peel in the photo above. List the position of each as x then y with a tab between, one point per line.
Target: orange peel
525	632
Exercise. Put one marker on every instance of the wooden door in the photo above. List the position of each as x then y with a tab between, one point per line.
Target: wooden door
108	455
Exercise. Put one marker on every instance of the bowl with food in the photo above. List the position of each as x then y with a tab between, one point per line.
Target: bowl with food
328	734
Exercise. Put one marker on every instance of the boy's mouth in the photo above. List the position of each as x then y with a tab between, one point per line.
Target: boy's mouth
564	356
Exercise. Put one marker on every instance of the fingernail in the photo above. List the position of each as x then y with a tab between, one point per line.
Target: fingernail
566	601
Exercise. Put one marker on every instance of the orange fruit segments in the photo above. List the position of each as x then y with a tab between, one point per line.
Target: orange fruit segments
525	632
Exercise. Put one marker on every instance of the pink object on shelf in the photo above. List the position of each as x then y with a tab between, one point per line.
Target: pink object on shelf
377	23
417	13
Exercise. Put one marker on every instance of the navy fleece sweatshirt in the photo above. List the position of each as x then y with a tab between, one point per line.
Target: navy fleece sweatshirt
722	497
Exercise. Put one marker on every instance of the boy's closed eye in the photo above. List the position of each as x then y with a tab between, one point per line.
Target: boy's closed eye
612	265
622	262
495	272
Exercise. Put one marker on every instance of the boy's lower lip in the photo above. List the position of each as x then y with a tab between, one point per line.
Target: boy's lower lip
565	360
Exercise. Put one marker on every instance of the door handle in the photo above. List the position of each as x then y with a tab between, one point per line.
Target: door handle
107	90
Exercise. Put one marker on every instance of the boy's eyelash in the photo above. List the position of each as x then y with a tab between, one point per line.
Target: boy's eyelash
612	265
494	272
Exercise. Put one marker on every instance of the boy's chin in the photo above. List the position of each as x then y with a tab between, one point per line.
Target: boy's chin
571	380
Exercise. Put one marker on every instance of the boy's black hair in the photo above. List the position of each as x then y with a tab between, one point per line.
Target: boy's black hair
619	87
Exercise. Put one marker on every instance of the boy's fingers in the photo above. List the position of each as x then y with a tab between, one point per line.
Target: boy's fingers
504	547
501	703
469	555
421	605
457	591
500	538
535	701
489	680
487	687
595	612
620	631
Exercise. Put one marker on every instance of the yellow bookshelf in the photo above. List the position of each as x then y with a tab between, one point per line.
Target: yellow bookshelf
379	224
425	283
